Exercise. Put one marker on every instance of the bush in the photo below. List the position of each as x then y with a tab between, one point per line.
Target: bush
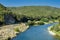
56	27
30	22
41	23
44	19
17	29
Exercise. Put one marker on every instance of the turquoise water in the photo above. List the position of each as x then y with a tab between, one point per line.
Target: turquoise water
36	33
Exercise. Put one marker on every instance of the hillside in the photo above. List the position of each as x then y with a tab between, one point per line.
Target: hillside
34	11
2	7
25	13
3	11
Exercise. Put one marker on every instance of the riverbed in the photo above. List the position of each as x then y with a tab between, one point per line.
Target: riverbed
39	32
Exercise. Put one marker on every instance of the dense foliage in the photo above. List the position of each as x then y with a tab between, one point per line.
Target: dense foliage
32	13
37	11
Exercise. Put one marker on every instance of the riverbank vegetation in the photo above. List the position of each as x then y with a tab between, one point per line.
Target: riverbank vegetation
55	29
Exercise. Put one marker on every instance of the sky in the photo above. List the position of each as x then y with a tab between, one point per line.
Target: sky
16	3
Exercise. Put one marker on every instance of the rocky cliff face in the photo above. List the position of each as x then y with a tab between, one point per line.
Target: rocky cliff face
9	19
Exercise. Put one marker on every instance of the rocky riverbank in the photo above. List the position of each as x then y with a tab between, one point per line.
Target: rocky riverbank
51	32
10	31
54	32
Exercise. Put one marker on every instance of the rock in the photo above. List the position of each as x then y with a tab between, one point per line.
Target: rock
9	19
8	31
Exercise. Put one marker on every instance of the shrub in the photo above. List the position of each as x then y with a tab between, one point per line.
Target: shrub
41	23
44	19
56	27
17	30
30	22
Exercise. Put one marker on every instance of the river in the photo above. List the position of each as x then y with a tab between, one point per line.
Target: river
39	32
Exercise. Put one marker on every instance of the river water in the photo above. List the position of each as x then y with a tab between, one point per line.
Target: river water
39	32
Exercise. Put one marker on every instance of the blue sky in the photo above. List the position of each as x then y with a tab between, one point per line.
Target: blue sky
54	3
